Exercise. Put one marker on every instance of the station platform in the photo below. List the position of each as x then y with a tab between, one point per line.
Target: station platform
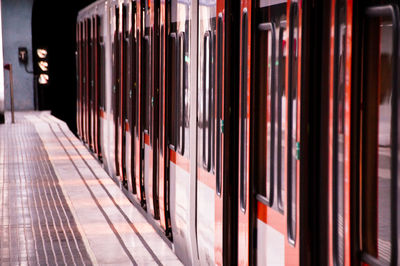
59	207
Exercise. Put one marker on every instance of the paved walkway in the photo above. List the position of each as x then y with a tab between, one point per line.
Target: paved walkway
59	207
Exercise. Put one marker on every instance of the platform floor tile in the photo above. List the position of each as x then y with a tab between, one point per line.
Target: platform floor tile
59	207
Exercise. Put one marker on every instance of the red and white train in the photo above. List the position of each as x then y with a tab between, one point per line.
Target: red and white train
251	132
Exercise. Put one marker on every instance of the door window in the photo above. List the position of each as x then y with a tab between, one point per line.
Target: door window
378	139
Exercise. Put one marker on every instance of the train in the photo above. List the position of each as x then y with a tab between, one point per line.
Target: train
251	132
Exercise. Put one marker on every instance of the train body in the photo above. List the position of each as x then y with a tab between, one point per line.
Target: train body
250	132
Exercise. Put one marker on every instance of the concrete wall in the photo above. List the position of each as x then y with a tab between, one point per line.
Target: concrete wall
17	32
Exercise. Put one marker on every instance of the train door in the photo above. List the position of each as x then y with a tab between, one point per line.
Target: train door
163	176
92	92
150	89
181	80
138	137
209	131
123	76
269	121
269	133
379	135
130	99
339	129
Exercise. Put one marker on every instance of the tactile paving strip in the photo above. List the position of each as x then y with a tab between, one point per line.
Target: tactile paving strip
36	224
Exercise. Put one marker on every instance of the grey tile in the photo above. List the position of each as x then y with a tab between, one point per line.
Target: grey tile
35	218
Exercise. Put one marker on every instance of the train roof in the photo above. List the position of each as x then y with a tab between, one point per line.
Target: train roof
92	8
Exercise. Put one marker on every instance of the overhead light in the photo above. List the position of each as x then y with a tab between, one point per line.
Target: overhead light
43	79
43	65
42	53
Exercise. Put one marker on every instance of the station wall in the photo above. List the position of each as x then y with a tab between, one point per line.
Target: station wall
17	32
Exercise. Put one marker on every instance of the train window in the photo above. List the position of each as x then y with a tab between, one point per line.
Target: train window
89	65
97	84
172	90
137	89
117	87
207	104
133	63
151	77
265	112
147	82
211	97
125	12
219	126
115	61
378	139
102	58
243	114
281	115
83	88
292	145
338	131
80	57
92	64
181	93
161	101
78	75
125	64
135	69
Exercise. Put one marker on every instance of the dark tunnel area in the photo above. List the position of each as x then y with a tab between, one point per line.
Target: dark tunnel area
53	29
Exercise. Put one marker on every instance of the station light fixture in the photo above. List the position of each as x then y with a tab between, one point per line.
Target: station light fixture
42	53
43	65
43	79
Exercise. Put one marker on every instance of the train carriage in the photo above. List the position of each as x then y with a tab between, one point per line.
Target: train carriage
251	132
